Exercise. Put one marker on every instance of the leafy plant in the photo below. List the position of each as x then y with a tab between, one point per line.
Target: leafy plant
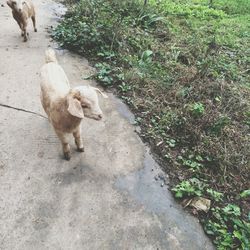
193	162
146	56
149	20
232	209
125	87
245	193
106	54
247	118
194	165
171	142
218	126
217	196
188	188
104	73
197	109
220	225
223	239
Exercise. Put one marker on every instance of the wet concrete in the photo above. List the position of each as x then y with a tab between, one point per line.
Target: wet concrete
104	198
149	187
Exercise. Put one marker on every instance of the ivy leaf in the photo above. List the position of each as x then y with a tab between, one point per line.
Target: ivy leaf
245	193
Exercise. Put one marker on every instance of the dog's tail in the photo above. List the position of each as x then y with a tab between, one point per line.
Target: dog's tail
50	56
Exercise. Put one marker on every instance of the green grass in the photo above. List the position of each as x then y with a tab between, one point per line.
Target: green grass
182	67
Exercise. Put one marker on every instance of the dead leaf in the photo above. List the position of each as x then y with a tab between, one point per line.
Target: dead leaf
201	204
186	202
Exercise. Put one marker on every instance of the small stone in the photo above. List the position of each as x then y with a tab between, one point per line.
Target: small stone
161	177
152	169
156	178
138	130
162	184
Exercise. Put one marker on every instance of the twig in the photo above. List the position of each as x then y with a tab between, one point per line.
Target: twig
20	109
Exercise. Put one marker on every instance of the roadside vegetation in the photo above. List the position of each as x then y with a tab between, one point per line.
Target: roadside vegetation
183	68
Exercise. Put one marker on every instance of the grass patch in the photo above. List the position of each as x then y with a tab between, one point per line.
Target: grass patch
182	67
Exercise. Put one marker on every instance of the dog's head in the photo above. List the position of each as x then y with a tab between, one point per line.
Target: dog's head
83	101
16	5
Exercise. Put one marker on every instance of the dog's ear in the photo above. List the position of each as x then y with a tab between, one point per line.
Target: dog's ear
77	94
100	92
11	3
75	107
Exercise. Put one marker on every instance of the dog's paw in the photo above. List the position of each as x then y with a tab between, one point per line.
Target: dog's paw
67	156
81	149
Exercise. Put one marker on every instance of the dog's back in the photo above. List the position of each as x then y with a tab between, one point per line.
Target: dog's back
54	82
29	6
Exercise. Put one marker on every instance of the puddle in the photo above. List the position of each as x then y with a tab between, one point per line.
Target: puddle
149	184
148	187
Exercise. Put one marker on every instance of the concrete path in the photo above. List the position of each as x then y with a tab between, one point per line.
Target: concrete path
105	198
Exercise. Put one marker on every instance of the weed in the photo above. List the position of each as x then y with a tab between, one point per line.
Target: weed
193	163
245	193
219	125
103	75
191	187
197	109
171	143
227	229
217	196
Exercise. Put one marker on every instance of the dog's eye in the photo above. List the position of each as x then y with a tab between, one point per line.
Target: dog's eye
85	106
14	3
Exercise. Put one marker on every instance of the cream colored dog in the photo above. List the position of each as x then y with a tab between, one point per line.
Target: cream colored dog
22	10
66	106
